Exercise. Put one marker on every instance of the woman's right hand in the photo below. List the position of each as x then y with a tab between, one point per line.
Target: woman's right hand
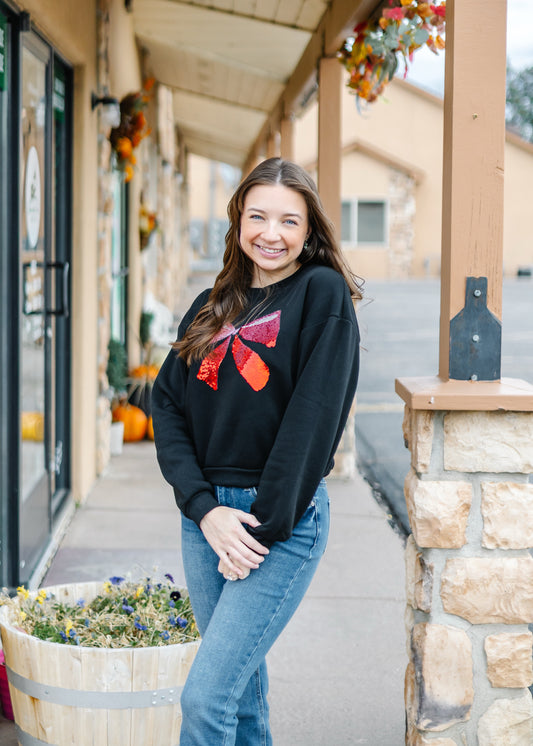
223	530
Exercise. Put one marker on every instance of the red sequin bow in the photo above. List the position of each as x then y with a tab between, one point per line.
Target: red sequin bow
250	365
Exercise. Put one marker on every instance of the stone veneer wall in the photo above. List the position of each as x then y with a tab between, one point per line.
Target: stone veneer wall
469	578
105	226
402	208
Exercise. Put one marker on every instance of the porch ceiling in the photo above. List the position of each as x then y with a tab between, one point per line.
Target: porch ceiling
237	65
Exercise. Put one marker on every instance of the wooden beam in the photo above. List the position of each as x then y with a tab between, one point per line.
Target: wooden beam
329	138
474	140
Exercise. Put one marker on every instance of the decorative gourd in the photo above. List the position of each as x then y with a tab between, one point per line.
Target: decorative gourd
134	419
150	429
32	426
145	371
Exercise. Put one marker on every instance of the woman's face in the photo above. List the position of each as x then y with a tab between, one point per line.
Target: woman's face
274	226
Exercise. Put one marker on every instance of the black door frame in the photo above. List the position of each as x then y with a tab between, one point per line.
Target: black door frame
57	291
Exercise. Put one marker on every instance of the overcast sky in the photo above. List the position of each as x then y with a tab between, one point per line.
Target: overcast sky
427	70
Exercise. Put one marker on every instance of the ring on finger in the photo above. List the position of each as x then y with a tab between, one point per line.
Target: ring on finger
232	576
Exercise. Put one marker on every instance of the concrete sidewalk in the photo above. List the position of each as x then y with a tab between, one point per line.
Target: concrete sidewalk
336	673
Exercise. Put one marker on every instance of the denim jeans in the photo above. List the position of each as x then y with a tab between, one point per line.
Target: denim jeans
224	699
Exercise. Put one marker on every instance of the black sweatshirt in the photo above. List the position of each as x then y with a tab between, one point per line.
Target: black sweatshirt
266	408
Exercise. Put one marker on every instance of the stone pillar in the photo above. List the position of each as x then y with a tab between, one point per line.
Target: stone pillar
469	577
105	223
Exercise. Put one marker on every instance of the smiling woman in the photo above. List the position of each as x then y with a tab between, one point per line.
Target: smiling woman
247	417
274	229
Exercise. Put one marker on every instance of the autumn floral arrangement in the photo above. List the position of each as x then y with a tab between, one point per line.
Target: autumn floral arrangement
124	614
132	128
372	55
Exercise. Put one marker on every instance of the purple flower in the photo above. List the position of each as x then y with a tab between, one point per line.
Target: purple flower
116	580
81	603
126	607
182	622
138	625
63	636
171	604
87	622
172	620
175	595
168	576
165	635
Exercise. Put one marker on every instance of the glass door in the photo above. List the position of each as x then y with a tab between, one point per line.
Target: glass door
34	514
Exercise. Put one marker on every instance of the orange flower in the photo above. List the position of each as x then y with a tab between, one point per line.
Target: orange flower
139	120
424	10
406	2
148	84
136	139
439	42
124	147
128	173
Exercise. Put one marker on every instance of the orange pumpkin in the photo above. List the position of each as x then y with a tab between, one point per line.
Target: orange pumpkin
145	371
134	419
150	429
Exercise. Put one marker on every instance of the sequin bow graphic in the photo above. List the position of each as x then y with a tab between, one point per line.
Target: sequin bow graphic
250	365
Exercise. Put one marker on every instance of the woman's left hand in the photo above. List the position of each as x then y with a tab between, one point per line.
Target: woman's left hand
229	574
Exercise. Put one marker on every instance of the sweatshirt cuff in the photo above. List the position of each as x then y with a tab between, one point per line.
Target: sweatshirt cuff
261	539
200	505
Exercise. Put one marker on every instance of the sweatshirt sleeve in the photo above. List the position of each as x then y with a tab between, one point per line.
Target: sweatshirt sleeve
175	450
312	425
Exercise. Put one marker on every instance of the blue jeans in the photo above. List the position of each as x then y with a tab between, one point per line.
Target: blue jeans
224	699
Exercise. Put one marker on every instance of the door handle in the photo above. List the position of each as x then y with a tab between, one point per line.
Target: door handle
64	269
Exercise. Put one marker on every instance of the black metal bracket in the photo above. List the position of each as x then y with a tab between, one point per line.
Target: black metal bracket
475	337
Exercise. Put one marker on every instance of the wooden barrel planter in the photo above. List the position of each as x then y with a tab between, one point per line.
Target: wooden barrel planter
80	696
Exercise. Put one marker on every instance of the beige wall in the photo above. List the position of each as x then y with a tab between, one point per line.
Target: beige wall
518	192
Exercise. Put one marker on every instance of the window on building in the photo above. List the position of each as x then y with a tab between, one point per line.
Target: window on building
364	221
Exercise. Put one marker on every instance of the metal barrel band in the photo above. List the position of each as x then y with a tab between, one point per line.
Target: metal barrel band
94	700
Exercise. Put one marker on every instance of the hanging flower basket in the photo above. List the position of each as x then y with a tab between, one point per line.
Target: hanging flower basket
116	681
372	55
132	128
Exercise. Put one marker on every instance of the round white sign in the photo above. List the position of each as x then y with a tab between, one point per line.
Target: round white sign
32	197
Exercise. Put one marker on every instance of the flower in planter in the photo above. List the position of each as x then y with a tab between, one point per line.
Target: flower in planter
123	614
132	128
372	55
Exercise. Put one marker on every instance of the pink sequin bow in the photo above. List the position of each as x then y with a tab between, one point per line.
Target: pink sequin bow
250	365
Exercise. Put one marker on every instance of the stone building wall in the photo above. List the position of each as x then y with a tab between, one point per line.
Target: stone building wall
469	578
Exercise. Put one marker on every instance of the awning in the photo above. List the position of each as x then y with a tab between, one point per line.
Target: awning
238	66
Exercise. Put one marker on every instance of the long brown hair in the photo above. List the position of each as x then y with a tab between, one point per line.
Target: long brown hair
228	296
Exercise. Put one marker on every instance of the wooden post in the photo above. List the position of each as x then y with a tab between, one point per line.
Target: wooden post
329	138
272	149
474	139
287	135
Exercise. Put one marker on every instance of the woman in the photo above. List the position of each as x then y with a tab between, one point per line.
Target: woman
248	410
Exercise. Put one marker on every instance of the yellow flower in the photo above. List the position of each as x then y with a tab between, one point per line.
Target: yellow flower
41	596
22	592
139	591
23	615
68	627
107	586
